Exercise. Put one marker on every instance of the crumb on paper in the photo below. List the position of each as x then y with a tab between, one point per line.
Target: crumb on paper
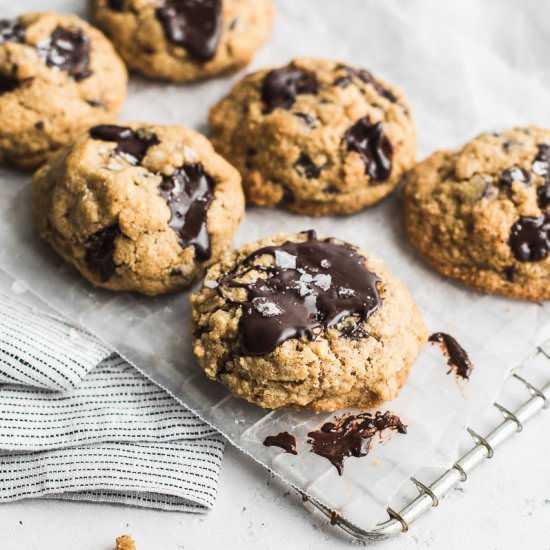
376	462
126	542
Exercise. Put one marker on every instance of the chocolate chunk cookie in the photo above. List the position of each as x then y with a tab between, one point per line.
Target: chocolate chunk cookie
184	40
306	322
317	137
58	76
138	207
482	214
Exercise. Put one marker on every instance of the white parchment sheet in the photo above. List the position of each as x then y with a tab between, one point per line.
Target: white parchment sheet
467	67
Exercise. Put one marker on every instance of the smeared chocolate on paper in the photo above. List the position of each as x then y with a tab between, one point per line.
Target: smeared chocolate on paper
457	358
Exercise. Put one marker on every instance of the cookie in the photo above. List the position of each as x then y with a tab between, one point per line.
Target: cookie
481	214
183	40
298	321
317	137
138	207
58	76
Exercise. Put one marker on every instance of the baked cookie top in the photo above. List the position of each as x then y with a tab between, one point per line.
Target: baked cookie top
315	136
138	206
185	40
58	75
299	321
481	214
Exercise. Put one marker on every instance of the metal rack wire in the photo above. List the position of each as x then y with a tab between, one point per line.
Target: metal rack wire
430	494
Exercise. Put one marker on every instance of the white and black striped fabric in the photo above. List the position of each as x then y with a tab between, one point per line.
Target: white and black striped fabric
78	422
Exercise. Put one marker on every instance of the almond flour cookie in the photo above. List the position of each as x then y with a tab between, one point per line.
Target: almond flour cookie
301	322
138	207
184	40
482	214
317	137
58	76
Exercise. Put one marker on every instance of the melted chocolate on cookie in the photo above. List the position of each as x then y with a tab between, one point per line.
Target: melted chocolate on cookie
67	50
11	31
514	174
364	76
351	436
189	192
457	358
192	24
281	86
530	238
99	252
311	286
373	146
132	144
284	440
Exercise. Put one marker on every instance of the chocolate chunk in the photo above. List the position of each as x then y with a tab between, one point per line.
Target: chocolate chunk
11	31
308	119
530	238
514	174
457	358
351	435
8	84
39	125
189	192
306	168
132	144
95	103
284	440
331	190
192	24
281	86
373	146
99	252
116	5
311	286
67	50
510	273
287	196
543	193
364	76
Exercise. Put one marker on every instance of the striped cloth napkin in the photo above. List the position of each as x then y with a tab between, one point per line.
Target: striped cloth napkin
78	422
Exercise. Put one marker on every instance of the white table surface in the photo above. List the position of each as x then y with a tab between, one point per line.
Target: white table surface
505	505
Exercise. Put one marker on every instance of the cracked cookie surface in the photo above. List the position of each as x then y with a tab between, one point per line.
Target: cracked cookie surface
138	207
58	76
297	321
184	40
482	214
316	136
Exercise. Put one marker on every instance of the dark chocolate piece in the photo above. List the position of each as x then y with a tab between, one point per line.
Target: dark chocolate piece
99	252
189	192
351	435
373	146
288	195
364	76
67	50
116	5
543	193
510	175
306	168
457	358
133	144
281	86
530	238
510	273
11	31
284	440
8	84
311	286
193	24
308	119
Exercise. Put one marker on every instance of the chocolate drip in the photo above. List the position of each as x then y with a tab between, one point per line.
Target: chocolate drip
99	252
192	24
310	286
133	144
189	192
306	167
68	51
284	440
281	86
457	358
351	436
11	31
373	147
530	238
364	76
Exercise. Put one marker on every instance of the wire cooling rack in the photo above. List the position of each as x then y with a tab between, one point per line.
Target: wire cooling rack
430	493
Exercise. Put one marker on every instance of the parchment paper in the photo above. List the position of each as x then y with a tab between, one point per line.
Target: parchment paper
461	81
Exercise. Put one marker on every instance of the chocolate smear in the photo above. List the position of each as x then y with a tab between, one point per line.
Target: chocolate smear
11	31
99	252
351	435
372	145
132	144
281	86
188	192
284	440
192	24
310	286
530	238
457	358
